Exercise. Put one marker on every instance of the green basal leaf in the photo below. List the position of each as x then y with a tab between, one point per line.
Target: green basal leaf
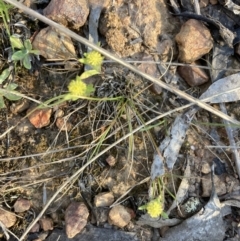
4	75
11	96
19	55
164	215
143	207
36	52
28	45
16	42
83	61
90	89
27	62
11	86
88	74
2	104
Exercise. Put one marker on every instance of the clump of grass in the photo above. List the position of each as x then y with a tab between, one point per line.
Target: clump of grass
155	207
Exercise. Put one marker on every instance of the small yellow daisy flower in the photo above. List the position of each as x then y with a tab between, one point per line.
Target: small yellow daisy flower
94	59
77	88
154	208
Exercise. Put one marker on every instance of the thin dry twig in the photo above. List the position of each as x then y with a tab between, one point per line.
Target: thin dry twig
223	147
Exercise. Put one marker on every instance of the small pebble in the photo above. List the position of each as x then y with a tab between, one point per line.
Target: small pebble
56	45
40	117
194	76
35	228
101	214
19	106
104	199
111	160
119	216
46	224
63	125
22	205
7	218
76	216
194	40
205	168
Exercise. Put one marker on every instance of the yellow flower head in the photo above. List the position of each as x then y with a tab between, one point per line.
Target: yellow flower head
154	207
77	88
94	59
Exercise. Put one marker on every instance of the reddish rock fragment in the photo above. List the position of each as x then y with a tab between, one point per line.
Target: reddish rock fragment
70	13
22	205
7	218
46	224
40	117
194	76
104	199
76	216
194	41
119	216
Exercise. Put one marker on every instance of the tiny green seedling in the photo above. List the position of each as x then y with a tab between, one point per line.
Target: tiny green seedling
25	54
6	88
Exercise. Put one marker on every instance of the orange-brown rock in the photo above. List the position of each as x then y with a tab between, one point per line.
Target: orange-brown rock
194	40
